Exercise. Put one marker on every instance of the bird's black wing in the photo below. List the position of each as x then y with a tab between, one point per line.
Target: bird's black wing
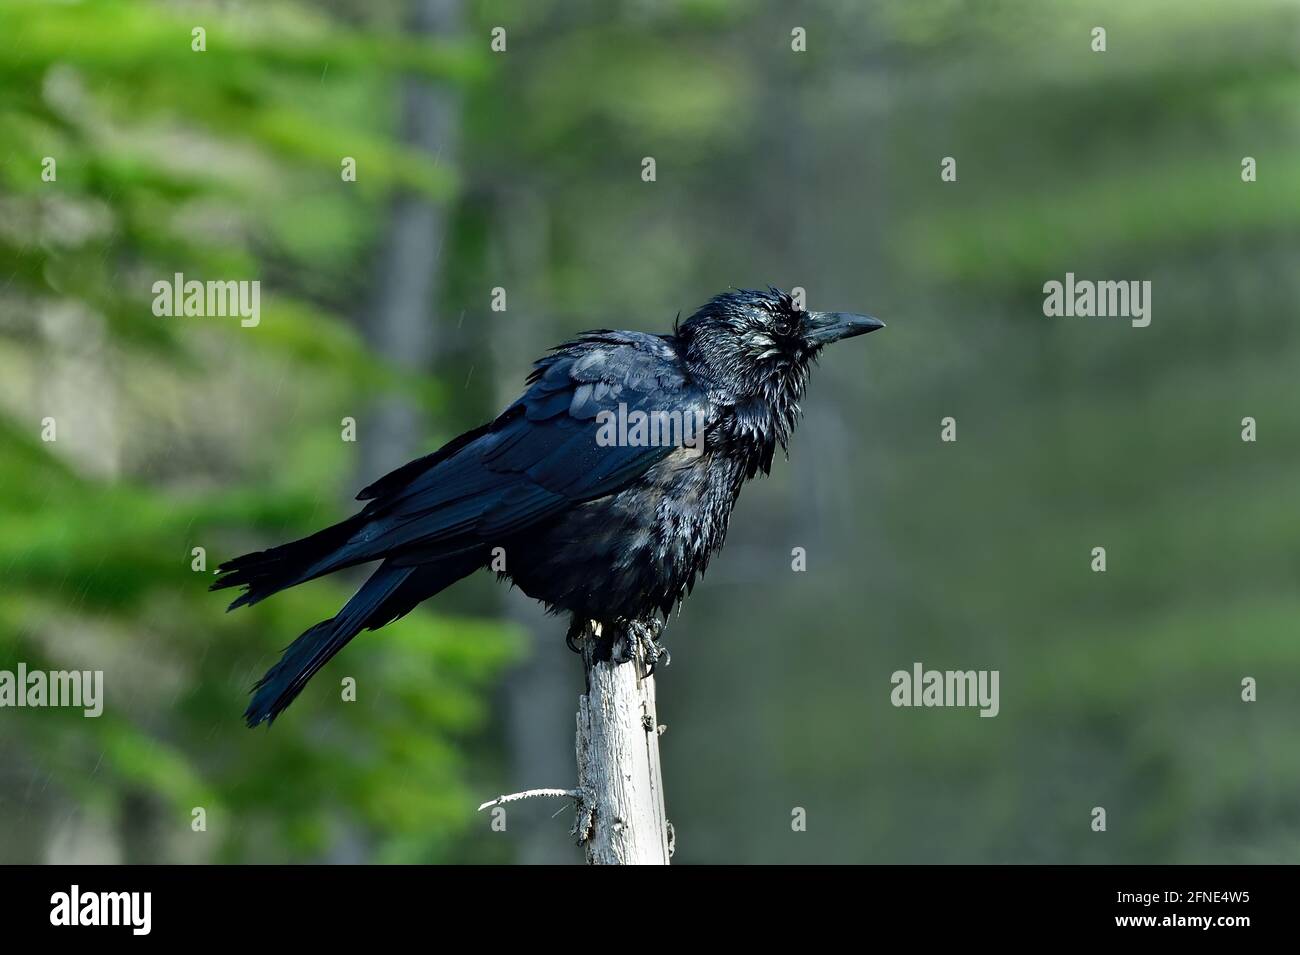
538	458
541	455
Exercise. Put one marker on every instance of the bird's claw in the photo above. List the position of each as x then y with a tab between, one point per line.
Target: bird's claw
655	653
651	650
624	650
639	640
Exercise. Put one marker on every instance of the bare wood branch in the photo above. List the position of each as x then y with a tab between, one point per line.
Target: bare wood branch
531	794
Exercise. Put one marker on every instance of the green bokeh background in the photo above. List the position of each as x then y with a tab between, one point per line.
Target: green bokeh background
817	169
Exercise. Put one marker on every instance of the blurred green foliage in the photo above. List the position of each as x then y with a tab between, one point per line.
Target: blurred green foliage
182	433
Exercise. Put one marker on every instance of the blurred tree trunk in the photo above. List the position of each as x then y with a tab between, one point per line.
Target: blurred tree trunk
141	829
25	824
400	322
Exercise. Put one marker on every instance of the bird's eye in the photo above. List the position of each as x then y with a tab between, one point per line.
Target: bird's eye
783	324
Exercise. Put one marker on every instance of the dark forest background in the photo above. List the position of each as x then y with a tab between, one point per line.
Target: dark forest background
521	170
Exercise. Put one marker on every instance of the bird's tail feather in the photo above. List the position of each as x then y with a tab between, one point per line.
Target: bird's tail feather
267	572
389	593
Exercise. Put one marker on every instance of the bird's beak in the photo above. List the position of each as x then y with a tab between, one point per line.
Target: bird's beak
826	327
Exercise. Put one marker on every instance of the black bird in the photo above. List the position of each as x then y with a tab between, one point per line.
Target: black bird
595	516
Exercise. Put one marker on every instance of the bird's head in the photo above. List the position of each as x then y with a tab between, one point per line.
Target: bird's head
761	344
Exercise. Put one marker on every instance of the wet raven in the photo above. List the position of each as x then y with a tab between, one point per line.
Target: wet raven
607	523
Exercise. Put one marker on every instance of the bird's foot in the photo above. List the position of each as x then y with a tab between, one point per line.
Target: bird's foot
621	651
643	637
626	641
573	639
654	653
608	641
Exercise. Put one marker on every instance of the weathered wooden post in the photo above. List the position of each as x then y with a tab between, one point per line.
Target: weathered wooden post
619	799
621	819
